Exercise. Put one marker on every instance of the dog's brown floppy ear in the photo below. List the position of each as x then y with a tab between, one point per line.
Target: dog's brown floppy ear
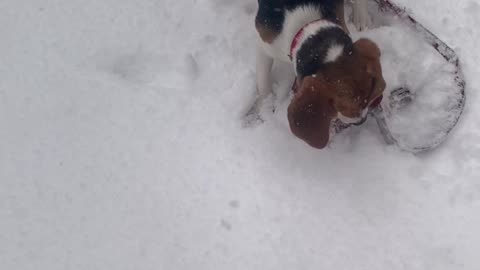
311	112
369	50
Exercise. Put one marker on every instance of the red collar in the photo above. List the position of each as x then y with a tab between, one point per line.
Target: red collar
296	39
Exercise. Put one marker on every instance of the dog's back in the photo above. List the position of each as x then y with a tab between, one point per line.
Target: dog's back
278	21
272	13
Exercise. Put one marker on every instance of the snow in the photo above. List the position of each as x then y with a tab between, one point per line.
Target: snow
123	148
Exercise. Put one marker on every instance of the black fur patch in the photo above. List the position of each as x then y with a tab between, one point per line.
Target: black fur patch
271	13
311	56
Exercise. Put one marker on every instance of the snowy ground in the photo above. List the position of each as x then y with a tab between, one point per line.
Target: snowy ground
122	147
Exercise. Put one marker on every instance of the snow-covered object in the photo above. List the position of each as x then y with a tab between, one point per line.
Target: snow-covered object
415	59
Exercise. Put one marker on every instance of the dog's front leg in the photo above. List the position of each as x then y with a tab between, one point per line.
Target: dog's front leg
263	83
360	14
263	73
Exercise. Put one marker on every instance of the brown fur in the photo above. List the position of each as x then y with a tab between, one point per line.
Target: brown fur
310	114
266	33
347	86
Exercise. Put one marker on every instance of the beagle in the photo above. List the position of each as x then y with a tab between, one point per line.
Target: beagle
336	78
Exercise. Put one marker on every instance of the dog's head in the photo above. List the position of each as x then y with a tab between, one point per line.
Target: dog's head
344	89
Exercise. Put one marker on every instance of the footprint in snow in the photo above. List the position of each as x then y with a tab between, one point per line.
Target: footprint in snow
137	67
141	67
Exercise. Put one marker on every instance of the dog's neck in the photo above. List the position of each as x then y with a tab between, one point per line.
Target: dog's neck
318	43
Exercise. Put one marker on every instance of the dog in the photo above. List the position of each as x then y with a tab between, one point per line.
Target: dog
336	78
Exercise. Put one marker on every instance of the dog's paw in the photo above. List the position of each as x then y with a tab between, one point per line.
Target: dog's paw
361	19
361	23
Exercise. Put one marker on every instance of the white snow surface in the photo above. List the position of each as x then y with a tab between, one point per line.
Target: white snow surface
122	147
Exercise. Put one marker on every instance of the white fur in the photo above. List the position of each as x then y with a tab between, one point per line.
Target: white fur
360	14
349	120
333	53
263	74
294	21
280	48
309	31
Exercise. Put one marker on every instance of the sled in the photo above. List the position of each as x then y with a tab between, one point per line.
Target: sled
398	99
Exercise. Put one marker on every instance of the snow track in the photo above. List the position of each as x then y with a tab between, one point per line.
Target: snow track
122	148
